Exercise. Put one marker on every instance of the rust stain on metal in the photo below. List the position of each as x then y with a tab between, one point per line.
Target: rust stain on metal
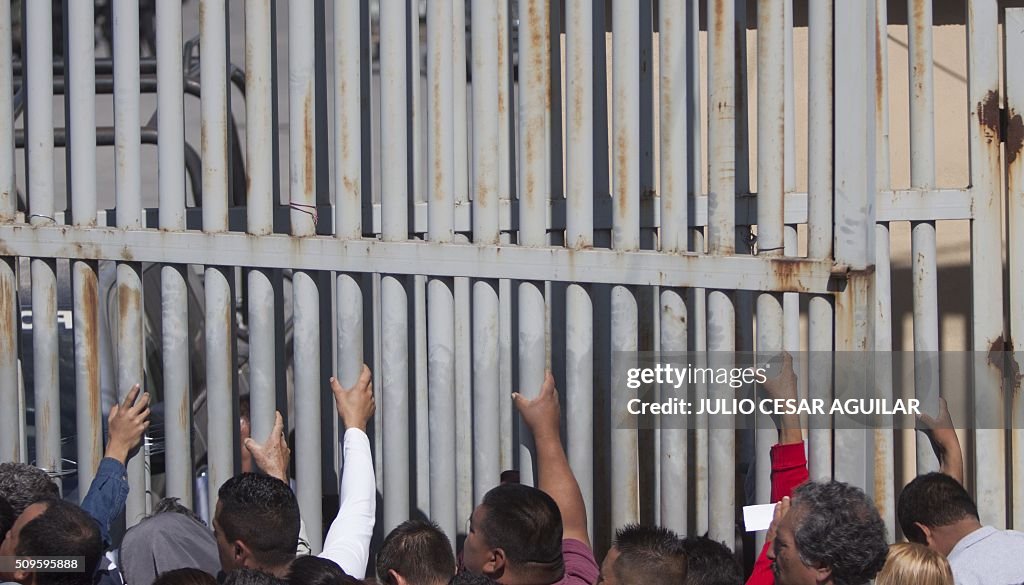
8	322
1000	355
719	20
128	301
882	476
1014	136
438	174
621	154
787	276
879	72
988	117
307	131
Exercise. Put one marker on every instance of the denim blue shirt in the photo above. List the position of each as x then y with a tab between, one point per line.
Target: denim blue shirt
107	495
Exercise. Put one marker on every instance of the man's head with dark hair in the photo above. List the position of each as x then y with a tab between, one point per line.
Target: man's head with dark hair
310	570
935	510
22	484
515	534
256	523
832	533
644	555
416	552
187	576
251	577
53	528
710	563
471	578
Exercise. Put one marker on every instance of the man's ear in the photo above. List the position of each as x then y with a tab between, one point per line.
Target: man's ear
396	578
494	566
822	574
242	555
24	577
929	537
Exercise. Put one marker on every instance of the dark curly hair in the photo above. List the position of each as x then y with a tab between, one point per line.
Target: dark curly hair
837	526
22	485
262	512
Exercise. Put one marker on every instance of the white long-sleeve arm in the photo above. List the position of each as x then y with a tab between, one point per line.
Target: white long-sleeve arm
348	540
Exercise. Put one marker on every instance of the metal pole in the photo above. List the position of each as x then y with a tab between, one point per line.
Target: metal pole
625	505
222	426
986	253
9	310
82	154
394	296
579	234
923	253
884	492
486	304
174	291
459	89
302	200
441	301
534	183
1015	236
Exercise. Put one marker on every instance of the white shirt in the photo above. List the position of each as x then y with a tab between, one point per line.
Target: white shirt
989	556
348	540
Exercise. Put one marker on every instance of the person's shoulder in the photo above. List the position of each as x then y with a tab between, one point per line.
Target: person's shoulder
580	563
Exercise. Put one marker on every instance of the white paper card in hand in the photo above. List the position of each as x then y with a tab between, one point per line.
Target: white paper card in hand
758	517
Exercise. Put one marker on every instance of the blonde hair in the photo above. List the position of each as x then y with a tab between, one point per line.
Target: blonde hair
910	563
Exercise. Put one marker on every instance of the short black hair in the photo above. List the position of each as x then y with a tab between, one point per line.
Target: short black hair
709	562
651	555
63	529
186	576
22	485
933	499
262	512
7	518
838	526
471	578
524	522
419	551
310	570
251	577
175	506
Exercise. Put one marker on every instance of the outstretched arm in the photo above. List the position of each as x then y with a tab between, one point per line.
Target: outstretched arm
348	540
945	443
784	387
127	423
541	415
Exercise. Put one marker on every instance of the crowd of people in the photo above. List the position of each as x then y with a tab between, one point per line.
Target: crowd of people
822	533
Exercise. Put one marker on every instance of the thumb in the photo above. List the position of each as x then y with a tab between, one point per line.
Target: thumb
519	400
113	413
251	445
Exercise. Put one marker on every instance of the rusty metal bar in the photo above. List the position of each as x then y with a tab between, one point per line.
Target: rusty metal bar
923	253
1014	43
460	127
441	141
884	465
986	251
486	319
11	419
81	108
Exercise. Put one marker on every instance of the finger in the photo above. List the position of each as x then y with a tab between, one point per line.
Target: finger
142	403
144	415
113	413
129	399
251	445
278	429
335	385
549	383
365	377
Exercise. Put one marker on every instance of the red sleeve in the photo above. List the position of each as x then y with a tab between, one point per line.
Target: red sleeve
762	574
789	469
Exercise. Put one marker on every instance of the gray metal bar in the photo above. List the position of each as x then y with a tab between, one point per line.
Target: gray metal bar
486	304
579	307
460	126
421	394
82	167
625	504
8	186
464	502
174	292
885	485
1014	43
986	249
10	418
130	363
440	291
922	175
39	158
505	371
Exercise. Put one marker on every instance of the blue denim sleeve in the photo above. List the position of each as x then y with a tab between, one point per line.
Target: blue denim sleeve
107	495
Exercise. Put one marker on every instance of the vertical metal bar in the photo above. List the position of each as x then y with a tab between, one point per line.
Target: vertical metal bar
884	484
505	369
855	193
39	121
348	53
625	506
174	291
82	154
217	281
9	321
771	150
440	291
464	502
986	253
579	234
259	143
819	228
458	103
1014	29
922	176
302	199
506	184
534	184
486	321
394	296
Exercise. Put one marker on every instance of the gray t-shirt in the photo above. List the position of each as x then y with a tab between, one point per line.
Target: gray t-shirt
989	556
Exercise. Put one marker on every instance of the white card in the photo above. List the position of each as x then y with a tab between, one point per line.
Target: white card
758	517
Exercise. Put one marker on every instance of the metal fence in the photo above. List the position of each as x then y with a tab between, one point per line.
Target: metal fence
561	217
